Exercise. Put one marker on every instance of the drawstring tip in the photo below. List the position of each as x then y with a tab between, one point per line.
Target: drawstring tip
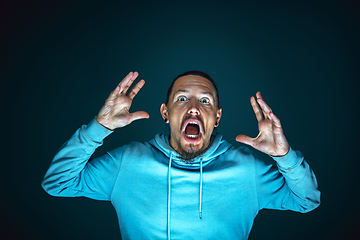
200	215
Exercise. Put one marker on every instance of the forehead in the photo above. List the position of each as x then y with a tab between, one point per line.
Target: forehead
193	83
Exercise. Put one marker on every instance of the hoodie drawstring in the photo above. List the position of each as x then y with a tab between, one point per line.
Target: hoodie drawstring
169	192
201	182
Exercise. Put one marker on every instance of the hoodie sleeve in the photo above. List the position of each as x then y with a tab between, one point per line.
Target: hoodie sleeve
73	174
291	185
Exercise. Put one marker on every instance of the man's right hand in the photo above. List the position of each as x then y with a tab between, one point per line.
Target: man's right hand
115	112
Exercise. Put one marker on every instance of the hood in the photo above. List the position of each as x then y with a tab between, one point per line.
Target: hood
217	147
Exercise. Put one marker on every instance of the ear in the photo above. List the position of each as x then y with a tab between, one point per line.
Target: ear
218	116
164	112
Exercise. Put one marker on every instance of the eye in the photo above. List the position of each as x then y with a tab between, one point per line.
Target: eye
205	100
182	99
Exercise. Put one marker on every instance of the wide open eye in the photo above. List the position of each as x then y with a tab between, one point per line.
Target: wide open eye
182	99
205	100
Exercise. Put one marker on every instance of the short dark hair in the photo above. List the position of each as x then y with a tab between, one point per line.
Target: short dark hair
197	73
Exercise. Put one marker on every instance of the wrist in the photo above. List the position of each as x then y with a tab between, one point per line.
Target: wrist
97	131
104	124
288	160
282	154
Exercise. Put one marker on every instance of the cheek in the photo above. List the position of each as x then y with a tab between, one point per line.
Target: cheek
175	114
211	121
174	122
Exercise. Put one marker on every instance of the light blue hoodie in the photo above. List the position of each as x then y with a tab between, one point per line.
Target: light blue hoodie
158	196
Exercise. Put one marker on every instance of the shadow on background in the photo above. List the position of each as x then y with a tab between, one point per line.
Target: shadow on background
59	62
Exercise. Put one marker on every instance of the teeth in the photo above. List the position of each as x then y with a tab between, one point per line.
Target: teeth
192	136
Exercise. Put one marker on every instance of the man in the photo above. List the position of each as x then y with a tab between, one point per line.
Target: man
191	184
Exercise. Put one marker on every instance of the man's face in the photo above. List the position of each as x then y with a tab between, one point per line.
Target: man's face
192	113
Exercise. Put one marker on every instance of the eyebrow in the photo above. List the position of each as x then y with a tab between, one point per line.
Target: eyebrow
208	93
185	91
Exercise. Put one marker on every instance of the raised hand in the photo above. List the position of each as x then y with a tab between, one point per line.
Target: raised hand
271	139
115	112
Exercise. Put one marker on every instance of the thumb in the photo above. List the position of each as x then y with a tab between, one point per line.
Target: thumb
138	115
245	139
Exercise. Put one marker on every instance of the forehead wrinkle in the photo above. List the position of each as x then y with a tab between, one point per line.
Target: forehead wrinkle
186	91
206	88
181	90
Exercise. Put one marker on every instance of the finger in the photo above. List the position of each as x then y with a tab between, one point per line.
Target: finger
138	115
129	82
275	119
136	89
256	108
262	103
245	139
126	79
120	86
114	93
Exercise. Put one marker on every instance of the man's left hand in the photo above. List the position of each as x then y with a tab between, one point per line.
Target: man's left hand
271	139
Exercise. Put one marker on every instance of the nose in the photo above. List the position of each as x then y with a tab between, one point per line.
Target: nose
193	109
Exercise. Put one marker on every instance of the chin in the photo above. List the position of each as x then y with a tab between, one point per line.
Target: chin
191	148
191	151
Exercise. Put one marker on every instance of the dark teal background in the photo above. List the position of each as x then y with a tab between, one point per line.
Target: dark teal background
60	61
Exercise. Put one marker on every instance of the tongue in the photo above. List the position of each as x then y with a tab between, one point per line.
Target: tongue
192	129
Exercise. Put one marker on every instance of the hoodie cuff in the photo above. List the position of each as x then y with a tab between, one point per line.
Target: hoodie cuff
96	131
288	161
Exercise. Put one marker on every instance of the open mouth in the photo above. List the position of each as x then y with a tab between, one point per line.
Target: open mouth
192	131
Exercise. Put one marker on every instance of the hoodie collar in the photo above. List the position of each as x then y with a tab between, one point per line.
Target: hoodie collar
217	147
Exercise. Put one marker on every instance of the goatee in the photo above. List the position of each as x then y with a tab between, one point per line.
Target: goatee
189	156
